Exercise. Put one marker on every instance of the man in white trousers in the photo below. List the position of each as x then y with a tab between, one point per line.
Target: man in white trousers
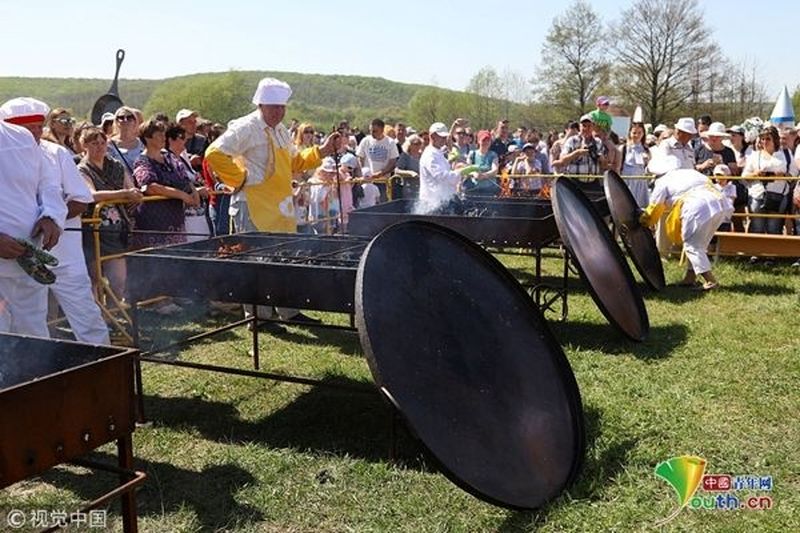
72	288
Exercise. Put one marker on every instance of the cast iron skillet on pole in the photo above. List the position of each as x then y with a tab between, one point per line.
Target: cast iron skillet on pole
599	260
109	102
638	240
463	353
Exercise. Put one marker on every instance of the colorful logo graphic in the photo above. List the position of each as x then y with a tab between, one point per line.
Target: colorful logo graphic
684	474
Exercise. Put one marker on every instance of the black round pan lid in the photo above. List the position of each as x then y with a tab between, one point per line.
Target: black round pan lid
471	364
599	260
638	240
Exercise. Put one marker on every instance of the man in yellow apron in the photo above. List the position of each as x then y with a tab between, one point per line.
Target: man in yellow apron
694	210
256	156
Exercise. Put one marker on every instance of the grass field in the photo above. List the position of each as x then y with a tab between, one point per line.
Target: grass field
719	378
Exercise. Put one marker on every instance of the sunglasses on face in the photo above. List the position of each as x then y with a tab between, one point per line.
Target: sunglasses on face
308	132
65	121
125	118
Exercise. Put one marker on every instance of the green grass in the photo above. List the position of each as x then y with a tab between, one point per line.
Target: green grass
717	378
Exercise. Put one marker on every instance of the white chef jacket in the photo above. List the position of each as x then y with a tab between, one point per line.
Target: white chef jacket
31	189
69	248
437	182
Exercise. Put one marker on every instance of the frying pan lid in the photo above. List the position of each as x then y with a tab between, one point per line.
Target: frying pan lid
471	364
638	240
599	260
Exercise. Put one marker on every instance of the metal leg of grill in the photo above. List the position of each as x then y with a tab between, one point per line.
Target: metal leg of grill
254	328
128	499
137	367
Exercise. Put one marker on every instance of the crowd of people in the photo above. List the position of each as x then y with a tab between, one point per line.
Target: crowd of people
258	174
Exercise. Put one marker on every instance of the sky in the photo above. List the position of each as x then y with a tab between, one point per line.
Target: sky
436	43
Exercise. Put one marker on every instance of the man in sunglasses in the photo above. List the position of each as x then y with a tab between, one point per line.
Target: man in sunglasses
32	208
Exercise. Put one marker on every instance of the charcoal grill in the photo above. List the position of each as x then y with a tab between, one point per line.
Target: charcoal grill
521	223
506	355
289	270
60	400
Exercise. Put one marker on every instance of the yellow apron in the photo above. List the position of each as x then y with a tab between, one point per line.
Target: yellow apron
270	202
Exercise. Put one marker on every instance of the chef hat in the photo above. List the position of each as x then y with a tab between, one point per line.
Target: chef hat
24	110
272	92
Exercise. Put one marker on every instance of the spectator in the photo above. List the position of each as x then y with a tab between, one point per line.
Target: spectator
158	174
769	196
125	145
483	182
528	164
635	156
609	150
370	193
196	144
400	136
542	150
379	153
741	149
710	151
570	129
461	145
218	203
408	168
107	181
59	127
107	123
197	221
724	185
501	142
600	116
582	154
679	144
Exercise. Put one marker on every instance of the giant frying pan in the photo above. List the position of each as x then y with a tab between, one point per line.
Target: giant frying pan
109	102
457	345
599	260
638	240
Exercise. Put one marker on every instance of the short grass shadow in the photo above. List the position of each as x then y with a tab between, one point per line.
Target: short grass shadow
169	488
322	420
662	341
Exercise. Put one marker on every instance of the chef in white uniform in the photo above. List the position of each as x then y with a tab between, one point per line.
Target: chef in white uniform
32	208
694	210
72	288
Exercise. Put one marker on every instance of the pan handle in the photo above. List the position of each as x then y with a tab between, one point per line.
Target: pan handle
114	88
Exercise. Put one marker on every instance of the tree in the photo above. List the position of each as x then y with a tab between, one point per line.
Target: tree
663	47
574	60
485	88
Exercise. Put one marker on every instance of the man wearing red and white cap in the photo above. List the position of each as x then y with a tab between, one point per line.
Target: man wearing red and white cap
72	287
33	207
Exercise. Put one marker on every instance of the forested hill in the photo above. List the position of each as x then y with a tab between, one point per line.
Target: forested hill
322	99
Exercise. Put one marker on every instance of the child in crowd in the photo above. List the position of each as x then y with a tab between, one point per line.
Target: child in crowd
724	185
